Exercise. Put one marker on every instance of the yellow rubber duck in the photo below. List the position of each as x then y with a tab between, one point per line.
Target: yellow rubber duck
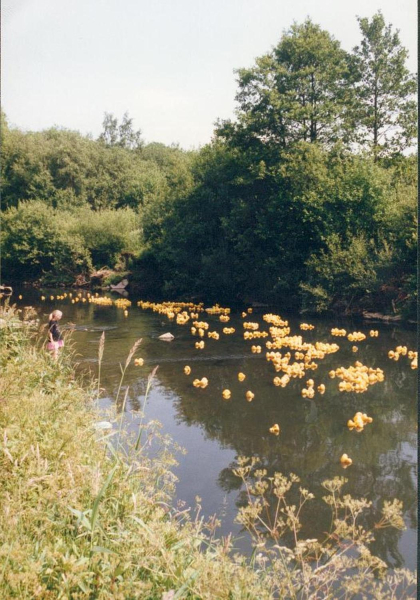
346	461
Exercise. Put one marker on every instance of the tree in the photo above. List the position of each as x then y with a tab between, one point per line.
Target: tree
122	135
298	92
385	111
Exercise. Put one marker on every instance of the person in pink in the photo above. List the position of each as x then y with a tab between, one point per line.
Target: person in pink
55	339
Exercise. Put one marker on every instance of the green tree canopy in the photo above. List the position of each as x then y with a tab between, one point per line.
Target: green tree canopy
295	93
385	111
122	135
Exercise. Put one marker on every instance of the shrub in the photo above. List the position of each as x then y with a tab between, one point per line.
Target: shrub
105	233
340	277
33	244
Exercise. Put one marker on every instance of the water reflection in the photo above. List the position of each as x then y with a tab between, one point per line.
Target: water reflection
313	432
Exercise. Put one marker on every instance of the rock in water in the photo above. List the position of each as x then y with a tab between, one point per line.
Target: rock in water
166	337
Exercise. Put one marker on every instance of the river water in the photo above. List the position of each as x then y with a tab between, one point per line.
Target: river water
214	432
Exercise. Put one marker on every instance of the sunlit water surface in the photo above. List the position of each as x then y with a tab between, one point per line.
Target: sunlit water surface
214	432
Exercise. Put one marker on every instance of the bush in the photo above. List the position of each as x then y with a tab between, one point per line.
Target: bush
33	244
105	233
39	242
340	277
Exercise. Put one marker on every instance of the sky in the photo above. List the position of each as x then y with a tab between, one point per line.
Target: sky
169	63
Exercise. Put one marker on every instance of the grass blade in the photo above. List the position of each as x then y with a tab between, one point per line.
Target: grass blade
95	508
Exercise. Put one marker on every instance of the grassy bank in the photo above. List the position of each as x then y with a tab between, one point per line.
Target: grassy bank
86	514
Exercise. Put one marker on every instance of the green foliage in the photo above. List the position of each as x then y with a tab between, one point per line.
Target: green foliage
297	92
40	242
258	232
33	244
67	170
308	197
339	277
385	109
105	234
341	564
122	135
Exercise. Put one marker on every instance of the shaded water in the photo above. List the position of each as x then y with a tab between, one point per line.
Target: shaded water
313	432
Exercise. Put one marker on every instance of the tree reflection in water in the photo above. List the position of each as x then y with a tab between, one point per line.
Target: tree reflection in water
313	432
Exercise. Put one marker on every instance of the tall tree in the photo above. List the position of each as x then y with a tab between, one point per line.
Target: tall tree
385	113
122	135
297	92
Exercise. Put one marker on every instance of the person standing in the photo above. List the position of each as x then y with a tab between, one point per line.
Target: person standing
55	339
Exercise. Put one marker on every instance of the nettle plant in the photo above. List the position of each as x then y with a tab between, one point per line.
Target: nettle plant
338	566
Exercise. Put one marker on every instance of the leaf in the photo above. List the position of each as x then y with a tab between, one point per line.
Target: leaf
184	588
98	498
143	525
82	517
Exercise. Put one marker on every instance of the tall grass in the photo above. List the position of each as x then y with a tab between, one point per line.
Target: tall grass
82	517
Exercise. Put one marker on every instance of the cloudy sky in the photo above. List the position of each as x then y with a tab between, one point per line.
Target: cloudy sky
169	63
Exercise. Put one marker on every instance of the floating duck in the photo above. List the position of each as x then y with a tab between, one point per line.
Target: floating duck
359	421
275	429
241	376
249	396
139	362
338	332
201	383
356	336
226	394
275	320
249	325
187	370
346	461
357	378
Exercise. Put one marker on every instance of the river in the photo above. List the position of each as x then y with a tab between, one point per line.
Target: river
214	432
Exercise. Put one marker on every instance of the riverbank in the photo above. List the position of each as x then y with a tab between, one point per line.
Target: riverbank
120	283
82	518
